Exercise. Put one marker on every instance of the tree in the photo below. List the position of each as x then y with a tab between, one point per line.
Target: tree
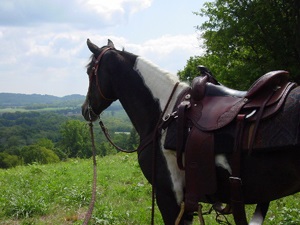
133	139
107	149
7	160
39	154
75	139
245	39
47	143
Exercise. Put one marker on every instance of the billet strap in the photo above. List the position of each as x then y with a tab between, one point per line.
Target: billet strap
181	134
237	200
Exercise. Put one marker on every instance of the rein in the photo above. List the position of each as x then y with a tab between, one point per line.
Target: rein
105	131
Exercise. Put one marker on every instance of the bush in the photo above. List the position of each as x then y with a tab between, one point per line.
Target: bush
7	160
39	154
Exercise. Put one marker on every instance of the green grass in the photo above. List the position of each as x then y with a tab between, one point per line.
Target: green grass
60	194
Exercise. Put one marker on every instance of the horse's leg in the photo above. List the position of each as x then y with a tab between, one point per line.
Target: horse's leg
259	214
169	209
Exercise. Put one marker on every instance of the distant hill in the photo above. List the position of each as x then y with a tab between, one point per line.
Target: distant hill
11	102
15	100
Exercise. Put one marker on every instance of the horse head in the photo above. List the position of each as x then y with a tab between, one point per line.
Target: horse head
100	92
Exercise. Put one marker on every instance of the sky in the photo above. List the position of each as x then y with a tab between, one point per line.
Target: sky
43	43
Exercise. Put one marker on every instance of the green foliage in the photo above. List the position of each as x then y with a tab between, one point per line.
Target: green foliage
245	39
20	129
106	149
27	137
7	160
38	154
133	139
60	194
75	139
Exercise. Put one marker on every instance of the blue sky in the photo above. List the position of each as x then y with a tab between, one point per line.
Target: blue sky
43	43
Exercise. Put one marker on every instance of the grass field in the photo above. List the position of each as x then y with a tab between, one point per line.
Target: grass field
60	193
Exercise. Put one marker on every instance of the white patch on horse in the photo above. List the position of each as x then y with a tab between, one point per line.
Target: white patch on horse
161	84
221	161
177	175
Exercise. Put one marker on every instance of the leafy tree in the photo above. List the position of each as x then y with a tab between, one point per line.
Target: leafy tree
133	139
76	139
47	143
52	131
13	150
245	39
20	129
39	154
7	160
107	149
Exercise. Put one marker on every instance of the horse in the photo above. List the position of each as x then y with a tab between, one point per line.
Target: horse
149	94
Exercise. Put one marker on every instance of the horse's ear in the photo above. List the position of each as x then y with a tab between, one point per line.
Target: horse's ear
93	48
110	43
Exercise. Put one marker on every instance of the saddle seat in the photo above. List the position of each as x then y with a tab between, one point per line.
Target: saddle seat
213	106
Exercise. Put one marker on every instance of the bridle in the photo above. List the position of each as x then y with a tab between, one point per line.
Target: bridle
93	75
94	72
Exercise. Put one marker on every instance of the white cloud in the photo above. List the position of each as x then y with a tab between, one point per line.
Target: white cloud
117	7
81	13
172	51
43	43
54	63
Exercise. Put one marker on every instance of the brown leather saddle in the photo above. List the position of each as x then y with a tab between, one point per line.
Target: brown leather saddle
212	107
206	108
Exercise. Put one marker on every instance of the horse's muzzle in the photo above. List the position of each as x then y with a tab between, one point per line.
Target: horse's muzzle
88	113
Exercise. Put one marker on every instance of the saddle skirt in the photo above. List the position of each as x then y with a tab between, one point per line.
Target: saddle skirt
279	130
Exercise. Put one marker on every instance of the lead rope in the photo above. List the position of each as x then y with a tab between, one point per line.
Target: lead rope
88	214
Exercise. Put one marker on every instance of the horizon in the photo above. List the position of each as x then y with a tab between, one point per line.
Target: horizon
40	94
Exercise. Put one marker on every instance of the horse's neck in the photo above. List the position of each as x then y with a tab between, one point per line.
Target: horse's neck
149	101
159	82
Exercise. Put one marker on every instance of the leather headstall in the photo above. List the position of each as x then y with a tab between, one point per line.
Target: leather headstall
94	72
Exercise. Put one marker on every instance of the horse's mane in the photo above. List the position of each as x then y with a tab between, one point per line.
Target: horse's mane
90	63
156	70
123	52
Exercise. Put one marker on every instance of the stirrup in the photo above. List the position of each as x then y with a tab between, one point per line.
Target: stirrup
200	214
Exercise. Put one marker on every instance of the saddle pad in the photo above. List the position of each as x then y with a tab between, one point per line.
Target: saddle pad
280	130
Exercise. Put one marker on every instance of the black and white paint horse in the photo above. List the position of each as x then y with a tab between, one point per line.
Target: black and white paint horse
143	90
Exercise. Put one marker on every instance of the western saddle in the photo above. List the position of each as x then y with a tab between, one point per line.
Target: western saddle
207	107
